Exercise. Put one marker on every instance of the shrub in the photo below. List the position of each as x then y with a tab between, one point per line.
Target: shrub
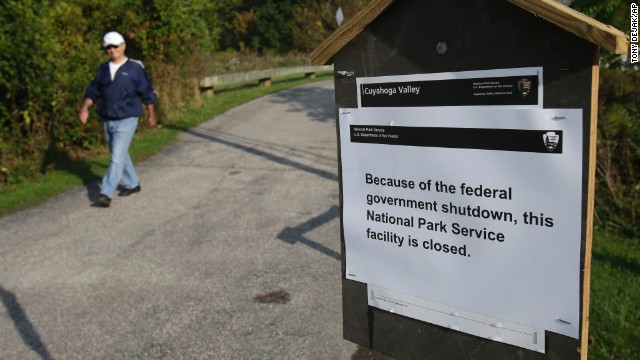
618	161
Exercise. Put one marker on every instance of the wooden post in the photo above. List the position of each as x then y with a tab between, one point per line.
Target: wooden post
197	99
207	91
265	83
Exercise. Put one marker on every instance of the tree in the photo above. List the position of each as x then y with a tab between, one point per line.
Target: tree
618	160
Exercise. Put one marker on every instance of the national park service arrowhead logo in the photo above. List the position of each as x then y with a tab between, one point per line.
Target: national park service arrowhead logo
524	86
551	140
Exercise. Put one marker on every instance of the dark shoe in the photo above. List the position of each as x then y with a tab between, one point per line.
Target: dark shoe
127	192
104	201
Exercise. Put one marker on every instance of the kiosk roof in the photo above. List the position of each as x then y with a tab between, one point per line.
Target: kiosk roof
605	36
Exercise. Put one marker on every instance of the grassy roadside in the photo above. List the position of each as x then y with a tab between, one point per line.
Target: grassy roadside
614	324
146	143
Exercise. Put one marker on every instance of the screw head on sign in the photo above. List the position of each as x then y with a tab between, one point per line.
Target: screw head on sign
442	48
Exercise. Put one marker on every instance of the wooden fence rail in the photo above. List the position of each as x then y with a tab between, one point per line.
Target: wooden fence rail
264	77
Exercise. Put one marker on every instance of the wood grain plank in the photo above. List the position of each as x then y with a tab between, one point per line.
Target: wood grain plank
605	36
336	41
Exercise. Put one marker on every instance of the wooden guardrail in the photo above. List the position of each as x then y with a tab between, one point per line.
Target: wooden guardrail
264	77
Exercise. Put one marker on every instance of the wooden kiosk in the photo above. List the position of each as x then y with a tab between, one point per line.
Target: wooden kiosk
404	37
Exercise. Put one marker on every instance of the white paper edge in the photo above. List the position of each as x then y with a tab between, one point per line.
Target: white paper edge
465	321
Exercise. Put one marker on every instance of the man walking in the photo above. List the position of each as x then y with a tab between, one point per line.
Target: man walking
120	87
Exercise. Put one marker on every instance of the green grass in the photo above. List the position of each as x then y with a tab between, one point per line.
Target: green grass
614	330
146	143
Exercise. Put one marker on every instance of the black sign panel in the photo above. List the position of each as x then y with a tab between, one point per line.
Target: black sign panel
534	141
485	91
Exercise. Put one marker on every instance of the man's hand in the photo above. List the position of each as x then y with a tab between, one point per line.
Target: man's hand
152	120
152	116
84	112
84	115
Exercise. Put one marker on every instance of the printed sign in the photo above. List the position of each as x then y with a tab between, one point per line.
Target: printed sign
521	87
477	208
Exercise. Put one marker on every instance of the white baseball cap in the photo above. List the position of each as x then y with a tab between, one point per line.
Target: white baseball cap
113	38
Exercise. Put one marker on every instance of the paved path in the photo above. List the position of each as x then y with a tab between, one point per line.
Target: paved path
231	250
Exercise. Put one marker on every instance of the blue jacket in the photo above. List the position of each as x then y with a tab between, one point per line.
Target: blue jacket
120	98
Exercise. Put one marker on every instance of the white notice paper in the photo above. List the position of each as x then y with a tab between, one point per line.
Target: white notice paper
476	208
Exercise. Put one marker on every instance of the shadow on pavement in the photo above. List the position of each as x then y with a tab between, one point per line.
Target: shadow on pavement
264	154
22	323
292	235
321	109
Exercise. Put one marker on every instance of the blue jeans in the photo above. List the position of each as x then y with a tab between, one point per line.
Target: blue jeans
119	134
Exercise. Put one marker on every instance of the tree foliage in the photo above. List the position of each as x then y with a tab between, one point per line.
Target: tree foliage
618	165
618	149
45	64
50	49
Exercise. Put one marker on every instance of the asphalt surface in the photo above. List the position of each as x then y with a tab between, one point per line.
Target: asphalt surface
230	251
